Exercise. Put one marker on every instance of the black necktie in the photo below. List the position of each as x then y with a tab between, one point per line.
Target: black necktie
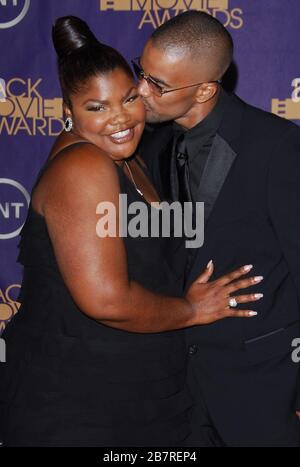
180	186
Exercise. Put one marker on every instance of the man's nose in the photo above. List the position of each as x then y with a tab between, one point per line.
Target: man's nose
143	88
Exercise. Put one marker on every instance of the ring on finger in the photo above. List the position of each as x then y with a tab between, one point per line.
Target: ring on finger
232	302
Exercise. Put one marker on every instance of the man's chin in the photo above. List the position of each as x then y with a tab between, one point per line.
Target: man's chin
154	118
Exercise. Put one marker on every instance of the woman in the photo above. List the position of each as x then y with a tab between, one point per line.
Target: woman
88	363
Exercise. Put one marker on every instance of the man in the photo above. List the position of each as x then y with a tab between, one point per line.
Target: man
244	164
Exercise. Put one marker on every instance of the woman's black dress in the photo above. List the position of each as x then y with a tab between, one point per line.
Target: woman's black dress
71	381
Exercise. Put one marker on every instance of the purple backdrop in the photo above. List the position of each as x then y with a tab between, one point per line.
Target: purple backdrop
266	73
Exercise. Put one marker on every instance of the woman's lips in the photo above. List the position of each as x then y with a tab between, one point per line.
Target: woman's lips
122	136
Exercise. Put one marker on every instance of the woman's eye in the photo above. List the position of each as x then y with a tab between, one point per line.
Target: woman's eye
133	98
96	108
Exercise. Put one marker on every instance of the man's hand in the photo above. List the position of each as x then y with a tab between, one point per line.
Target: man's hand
298	414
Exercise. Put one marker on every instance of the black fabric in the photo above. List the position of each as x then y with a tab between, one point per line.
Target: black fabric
251	189
199	140
70	381
180	183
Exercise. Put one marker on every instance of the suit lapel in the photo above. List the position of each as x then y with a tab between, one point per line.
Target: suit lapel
225	149
219	162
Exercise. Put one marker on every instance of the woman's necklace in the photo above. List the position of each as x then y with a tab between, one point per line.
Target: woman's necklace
133	181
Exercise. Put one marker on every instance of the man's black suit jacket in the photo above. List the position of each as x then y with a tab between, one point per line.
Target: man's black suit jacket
251	190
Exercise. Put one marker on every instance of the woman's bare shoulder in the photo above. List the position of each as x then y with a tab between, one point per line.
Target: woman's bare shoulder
80	167
79	159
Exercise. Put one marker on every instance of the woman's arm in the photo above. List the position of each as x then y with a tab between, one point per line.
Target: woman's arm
94	269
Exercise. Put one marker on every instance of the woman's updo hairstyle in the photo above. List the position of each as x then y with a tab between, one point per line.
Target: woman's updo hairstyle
81	55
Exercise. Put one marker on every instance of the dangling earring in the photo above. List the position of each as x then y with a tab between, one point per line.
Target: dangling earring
68	124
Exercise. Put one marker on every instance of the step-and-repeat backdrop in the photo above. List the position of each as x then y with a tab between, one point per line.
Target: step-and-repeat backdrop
266	73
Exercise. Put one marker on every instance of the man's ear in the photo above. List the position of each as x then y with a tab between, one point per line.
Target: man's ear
206	92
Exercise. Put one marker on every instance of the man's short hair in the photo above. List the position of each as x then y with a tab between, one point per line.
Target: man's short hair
199	34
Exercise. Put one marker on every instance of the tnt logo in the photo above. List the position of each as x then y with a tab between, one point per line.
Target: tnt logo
12	12
14	202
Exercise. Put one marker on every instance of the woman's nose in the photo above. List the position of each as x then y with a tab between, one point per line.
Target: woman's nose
120	117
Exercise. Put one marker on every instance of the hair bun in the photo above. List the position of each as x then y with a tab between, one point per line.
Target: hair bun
69	34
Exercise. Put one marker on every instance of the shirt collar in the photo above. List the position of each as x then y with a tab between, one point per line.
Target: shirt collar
202	132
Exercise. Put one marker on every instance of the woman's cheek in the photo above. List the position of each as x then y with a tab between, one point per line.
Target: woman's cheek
142	111
97	124
139	112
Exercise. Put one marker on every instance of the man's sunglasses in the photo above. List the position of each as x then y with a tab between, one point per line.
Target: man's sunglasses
156	88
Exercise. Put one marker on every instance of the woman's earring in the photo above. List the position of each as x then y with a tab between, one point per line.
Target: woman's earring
68	124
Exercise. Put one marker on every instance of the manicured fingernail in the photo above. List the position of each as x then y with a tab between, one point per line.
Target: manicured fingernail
252	313
248	267
209	264
258	278
258	295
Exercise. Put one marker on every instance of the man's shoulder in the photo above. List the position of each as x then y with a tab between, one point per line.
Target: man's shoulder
261	121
